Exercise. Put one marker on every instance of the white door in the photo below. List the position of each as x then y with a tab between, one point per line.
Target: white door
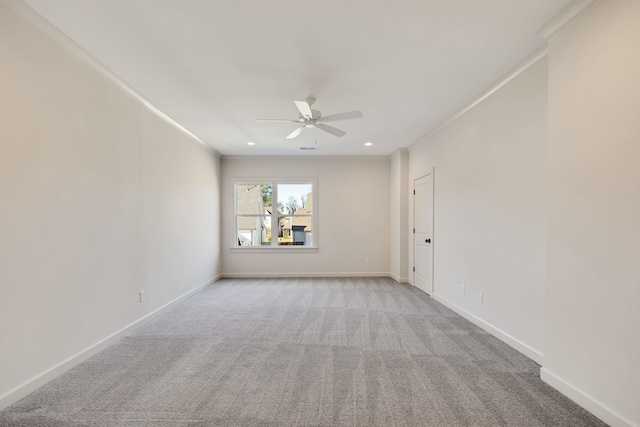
422	237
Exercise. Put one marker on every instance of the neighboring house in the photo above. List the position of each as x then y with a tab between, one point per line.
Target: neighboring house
251	229
297	230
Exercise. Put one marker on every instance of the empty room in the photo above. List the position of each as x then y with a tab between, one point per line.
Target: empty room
407	213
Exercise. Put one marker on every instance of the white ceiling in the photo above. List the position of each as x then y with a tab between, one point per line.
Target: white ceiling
215	66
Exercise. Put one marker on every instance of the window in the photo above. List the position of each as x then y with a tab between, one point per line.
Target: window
275	213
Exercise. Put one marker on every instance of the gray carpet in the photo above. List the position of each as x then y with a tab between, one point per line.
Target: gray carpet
303	352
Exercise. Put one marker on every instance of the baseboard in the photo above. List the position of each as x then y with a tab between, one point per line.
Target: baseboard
31	385
592	405
399	279
523	348
287	275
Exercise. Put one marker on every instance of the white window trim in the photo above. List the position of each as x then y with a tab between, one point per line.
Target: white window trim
274	215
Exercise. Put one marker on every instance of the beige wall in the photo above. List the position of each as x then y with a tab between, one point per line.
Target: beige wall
352	208
564	290
100	199
489	210
399	223
592	338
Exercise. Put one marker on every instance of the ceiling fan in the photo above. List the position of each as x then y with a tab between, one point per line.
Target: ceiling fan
313	119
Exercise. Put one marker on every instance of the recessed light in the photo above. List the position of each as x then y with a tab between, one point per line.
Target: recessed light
251	143
368	144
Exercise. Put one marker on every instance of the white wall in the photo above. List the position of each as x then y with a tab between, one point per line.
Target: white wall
489	210
592	337
352	208
99	199
399	224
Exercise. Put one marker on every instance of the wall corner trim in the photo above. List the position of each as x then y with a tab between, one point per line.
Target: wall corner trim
563	18
514	72
589	403
31	385
398	152
523	348
34	18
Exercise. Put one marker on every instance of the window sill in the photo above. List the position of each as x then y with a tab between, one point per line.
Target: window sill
276	249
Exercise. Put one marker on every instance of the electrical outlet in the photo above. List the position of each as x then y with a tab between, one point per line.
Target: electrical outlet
481	297
367	260
141	296
462	289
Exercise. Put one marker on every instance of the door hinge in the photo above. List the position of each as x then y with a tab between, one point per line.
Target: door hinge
414	192
414	231
414	269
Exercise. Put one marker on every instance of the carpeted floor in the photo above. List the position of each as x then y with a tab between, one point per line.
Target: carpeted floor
303	352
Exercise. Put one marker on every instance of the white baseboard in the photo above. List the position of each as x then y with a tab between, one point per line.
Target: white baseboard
399	279
592	405
31	385
286	275
523	348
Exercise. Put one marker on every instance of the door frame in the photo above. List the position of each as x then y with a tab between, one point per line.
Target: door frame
433	187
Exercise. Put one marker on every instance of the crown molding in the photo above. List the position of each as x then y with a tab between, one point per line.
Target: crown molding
398	152
548	30
514	72
563	18
25	12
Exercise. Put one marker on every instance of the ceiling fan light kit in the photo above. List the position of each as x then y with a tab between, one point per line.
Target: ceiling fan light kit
310	118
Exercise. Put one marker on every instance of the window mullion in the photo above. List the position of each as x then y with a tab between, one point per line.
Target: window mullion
275	224
254	225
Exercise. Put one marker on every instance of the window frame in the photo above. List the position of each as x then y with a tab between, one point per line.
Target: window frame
274	215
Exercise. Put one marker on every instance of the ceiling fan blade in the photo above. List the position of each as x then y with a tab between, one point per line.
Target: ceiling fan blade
296	132
276	121
341	116
304	108
331	129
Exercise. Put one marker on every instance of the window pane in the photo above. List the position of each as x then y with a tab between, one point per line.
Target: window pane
253	198
254	230
295	198
295	231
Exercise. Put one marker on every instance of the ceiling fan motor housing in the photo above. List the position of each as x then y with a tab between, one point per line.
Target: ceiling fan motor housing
310	118
315	114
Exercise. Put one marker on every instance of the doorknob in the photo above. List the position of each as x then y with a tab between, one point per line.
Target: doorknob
427	241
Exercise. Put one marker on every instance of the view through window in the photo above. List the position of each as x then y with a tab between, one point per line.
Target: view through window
272	213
